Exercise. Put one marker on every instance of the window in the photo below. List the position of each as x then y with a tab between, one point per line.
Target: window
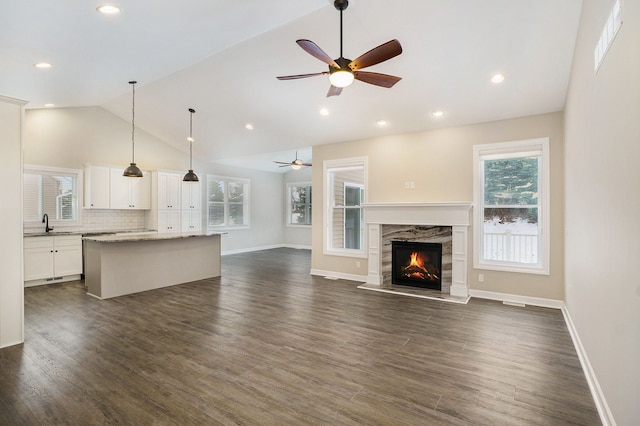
299	204
511	213
51	191
344	219
228	200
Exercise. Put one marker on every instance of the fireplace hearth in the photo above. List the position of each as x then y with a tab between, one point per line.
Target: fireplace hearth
416	264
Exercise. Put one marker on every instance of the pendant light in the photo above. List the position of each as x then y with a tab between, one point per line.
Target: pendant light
190	176
133	170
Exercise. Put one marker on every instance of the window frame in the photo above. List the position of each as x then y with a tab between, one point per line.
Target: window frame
57	171
246	203
330	166
511	150
289	204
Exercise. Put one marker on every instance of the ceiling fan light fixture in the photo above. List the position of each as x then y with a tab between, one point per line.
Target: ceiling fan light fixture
341	78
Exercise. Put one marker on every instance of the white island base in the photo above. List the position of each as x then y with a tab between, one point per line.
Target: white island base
117	265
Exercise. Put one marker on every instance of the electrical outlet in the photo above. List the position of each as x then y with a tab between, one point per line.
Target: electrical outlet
358	264
481	278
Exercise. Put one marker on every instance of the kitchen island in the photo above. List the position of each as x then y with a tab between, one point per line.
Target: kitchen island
116	265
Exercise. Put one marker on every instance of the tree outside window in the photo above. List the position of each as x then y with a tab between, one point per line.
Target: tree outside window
299	204
511	212
228	202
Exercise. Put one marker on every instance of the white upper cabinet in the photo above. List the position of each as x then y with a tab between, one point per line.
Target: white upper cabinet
130	193
191	195
169	190
96	187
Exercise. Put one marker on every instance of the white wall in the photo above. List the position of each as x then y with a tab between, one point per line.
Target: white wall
296	236
11	284
602	237
71	137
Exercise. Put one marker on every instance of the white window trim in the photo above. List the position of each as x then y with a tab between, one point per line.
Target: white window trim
247	204
326	223
539	144
29	168
287	203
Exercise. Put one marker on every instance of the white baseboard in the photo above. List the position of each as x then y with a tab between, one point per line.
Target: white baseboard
606	417
297	246
273	246
250	249
35	283
516	299
340	275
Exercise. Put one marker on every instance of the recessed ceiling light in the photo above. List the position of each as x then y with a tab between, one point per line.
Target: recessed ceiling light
248	126
324	112
49	105
42	65
108	9
497	78
381	123
438	113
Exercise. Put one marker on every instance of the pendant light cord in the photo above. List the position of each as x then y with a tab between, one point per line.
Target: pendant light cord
191	111
133	122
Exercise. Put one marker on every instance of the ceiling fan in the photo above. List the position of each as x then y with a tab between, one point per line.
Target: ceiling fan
343	71
295	164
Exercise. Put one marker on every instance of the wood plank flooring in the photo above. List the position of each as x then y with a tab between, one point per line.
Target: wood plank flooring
267	344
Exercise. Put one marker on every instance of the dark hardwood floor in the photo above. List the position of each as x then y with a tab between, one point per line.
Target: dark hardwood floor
269	344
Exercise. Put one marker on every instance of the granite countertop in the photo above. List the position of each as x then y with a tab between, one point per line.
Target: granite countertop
116	238
84	232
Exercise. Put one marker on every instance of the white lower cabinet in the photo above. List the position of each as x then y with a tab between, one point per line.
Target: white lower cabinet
168	221
191	221
52	258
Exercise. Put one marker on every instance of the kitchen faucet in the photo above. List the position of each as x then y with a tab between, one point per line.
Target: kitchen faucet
45	219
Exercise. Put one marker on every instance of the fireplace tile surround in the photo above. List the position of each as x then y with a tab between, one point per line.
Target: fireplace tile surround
445	223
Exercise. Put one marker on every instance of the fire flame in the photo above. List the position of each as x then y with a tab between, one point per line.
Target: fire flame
417	269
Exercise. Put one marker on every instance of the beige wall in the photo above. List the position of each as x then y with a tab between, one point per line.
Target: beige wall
440	162
602	134
71	137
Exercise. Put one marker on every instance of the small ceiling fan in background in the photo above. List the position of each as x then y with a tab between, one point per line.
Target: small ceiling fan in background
343	71
296	164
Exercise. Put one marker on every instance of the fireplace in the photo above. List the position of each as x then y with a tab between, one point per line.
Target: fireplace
416	264
442	223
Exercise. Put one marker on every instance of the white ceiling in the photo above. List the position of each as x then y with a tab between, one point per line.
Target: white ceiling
221	58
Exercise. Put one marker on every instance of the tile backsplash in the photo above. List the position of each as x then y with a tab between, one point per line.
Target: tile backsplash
105	220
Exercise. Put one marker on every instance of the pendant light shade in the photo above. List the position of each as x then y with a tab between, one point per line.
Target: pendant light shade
133	170
190	176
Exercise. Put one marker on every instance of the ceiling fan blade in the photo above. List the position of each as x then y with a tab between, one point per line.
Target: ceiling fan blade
306	164
334	91
314	50
295	77
286	165
282	162
377	79
376	55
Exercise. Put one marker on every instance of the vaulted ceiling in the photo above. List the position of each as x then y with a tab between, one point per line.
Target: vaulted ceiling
221	57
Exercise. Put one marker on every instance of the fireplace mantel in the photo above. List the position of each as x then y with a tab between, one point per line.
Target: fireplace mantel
437	214
453	214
